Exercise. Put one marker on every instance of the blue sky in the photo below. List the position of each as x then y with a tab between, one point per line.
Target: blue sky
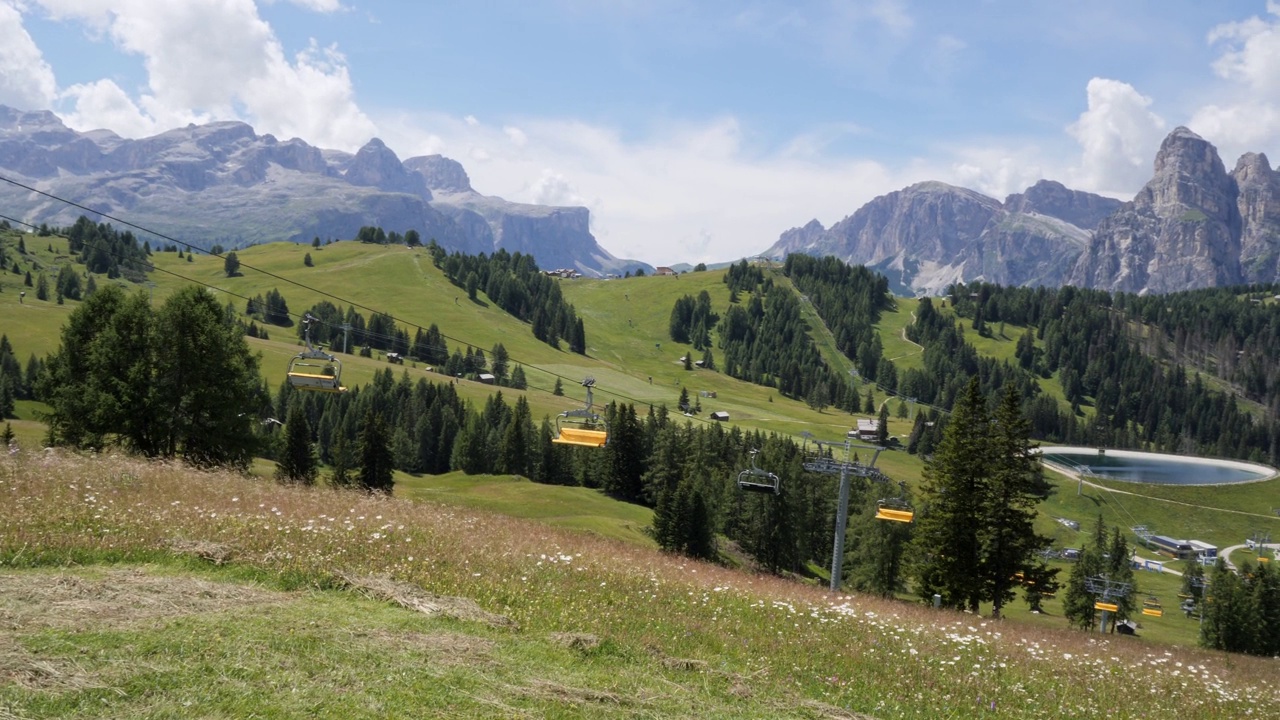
693	130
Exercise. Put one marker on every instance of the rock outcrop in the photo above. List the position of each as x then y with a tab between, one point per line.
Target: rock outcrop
931	234
1181	231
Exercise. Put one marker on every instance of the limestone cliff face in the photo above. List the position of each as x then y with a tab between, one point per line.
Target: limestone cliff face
1181	231
1192	225
1258	203
929	235
224	183
1053	199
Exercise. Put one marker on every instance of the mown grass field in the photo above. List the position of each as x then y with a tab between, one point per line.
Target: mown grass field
144	590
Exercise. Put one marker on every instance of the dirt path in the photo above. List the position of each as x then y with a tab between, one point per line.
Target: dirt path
910	341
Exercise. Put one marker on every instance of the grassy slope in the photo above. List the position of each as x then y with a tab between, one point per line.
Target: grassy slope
626	323
116	617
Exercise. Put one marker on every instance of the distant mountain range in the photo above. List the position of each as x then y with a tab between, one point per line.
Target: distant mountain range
1193	225
223	183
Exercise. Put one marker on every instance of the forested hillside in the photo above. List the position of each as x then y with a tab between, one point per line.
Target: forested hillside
1131	367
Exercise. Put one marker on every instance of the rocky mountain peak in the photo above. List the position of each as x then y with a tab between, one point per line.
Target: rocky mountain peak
1182	230
442	174
376	165
1252	167
1185	151
1047	197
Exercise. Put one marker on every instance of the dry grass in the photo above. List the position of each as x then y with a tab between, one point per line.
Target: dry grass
723	642
381	587
117	598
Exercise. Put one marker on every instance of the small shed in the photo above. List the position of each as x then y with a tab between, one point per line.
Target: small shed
486	378
720	415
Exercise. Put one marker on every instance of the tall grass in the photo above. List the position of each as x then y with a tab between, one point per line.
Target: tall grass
721	642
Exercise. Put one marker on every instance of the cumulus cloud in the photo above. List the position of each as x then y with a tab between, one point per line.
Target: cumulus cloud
215	60
687	192
1244	115
1118	136
102	104
551	188
26	80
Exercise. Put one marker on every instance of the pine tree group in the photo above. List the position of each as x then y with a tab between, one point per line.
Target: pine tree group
980	491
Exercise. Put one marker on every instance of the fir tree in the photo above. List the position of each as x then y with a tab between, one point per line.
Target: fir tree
1013	489
1077	603
298	462
342	463
377	466
947	535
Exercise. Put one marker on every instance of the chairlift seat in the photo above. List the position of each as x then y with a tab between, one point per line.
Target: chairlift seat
315	382
1153	612
758	481
581	437
895	514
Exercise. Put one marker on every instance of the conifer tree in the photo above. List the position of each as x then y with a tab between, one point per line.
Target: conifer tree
1013	489
1077	601
954	486
517	378
342	462
377	466
298	462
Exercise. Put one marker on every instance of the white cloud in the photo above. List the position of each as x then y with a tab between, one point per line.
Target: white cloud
216	60
996	171
688	192
1119	136
551	188
516	135
1244	115
26	80
893	15
102	104
1252	54
321	6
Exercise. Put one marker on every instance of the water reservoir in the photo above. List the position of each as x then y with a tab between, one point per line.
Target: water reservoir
1158	468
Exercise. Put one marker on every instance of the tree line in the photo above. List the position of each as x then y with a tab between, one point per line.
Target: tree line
514	282
767	342
1107	355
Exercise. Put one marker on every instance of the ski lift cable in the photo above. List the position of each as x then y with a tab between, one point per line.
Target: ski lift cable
289	281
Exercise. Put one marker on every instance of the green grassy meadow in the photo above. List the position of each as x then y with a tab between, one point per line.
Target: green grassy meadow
145	590
652	639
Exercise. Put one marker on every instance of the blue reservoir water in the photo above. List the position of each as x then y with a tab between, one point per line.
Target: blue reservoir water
1161	469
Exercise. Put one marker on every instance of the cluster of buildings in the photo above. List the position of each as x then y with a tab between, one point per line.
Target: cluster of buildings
566	273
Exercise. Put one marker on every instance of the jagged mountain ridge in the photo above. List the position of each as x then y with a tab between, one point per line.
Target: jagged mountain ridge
931	234
1193	225
223	183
